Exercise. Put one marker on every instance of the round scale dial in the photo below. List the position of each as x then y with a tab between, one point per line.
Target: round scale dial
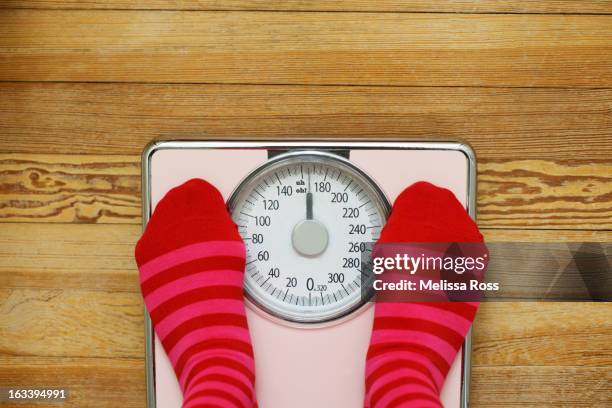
306	219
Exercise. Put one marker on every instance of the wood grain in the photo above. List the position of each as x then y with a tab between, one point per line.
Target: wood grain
555	334
79	189
500	123
91	382
71	323
106	189
541	387
465	6
94	257
306	48
544	194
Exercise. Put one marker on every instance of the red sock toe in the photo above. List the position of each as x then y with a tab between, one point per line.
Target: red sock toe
427	213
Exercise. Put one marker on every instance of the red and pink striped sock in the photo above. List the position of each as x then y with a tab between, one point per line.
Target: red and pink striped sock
191	261
414	344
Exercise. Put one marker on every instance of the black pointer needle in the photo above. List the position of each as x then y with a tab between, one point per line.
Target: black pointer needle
309	200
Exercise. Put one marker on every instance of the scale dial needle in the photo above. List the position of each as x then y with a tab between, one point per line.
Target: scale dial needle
309	200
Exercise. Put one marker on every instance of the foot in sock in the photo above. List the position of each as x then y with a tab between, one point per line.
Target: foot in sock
191	262
414	344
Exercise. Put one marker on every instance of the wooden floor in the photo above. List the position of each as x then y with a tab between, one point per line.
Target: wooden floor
85	85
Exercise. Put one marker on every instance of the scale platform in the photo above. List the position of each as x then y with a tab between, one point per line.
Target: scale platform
306	364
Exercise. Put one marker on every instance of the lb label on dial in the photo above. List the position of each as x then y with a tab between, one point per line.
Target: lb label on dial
306	219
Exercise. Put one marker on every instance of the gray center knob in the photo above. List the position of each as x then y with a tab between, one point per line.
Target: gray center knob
309	237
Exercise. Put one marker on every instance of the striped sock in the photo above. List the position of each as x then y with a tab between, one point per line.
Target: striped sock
191	261
414	344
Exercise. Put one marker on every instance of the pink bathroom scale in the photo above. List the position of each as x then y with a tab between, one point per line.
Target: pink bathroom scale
306	210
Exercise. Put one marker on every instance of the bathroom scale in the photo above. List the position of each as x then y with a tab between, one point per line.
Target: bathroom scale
310	325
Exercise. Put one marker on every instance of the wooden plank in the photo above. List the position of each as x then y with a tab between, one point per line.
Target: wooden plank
465	6
534	235
95	257
70	188
101	257
531	333
306	48
91	382
74	323
545	194
85	323
541	387
500	123
106	189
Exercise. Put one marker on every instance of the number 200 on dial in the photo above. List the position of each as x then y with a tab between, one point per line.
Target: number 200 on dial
306	219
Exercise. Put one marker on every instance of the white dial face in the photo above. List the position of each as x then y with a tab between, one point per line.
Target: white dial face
306	219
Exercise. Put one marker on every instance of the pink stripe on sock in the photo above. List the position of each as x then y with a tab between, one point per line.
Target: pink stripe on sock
212	353
400	390
209	401
422	311
408	356
207	333
435	343
196	309
398	375
229	388
189	253
224	277
418	403
218	369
